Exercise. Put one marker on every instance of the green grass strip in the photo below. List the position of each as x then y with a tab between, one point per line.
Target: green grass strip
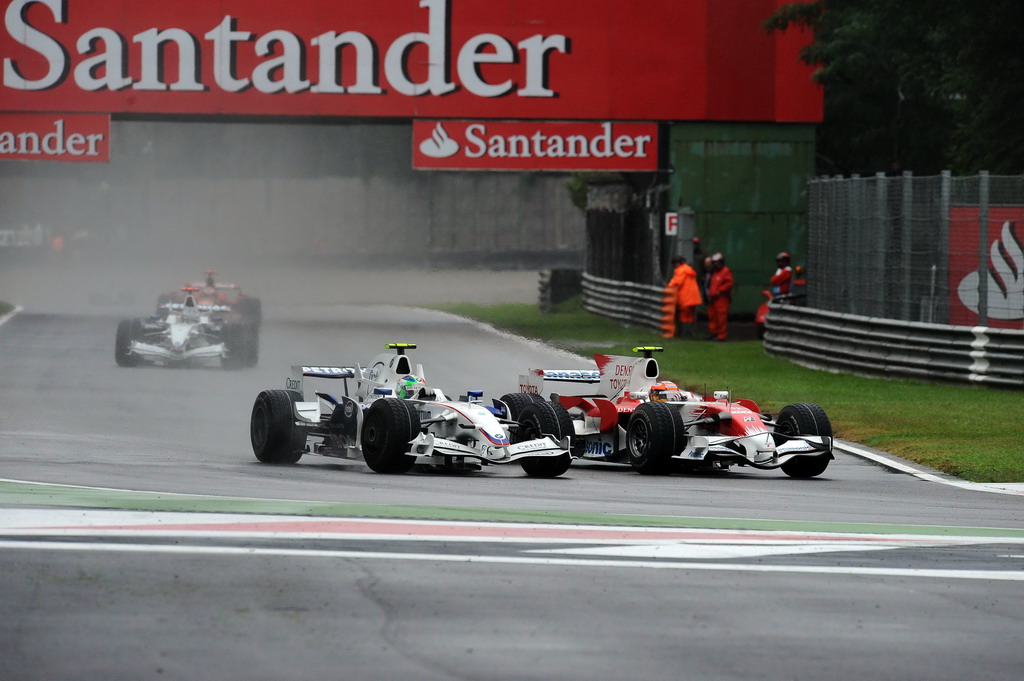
43	495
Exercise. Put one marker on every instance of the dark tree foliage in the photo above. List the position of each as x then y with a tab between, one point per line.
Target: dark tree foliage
920	85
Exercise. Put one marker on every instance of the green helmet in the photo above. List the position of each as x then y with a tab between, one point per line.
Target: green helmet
408	386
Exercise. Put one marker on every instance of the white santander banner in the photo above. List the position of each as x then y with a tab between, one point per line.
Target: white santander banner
534	145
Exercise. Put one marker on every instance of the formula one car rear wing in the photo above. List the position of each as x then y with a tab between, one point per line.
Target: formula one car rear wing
383	374
299	372
614	375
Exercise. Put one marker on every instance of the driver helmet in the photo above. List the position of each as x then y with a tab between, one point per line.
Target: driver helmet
666	391
409	386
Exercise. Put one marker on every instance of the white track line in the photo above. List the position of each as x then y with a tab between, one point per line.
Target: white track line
854	449
988	575
10	315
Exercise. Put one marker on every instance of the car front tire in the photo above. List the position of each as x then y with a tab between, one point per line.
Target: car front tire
388	427
272	430
804	419
536	420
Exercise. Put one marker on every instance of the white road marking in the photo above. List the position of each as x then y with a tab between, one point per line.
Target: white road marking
1013	488
718	551
986	575
10	315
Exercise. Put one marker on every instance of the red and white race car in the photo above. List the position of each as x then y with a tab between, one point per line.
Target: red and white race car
624	412
235	305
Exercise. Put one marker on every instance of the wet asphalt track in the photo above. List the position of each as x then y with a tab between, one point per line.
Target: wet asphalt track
372	608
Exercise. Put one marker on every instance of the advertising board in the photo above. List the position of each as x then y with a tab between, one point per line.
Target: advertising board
54	137
592	60
1004	283
534	145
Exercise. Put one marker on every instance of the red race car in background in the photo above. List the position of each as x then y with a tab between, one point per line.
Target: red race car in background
241	308
624	412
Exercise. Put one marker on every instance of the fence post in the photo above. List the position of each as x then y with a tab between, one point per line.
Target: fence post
906	240
856	234
983	190
945	199
877	308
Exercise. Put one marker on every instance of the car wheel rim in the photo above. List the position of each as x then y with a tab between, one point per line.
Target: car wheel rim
259	427
372	436
640	439
530	431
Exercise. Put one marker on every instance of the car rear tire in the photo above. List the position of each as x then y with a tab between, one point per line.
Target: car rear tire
803	419
127	331
242	341
161	301
536	420
250	310
654	434
253	355
516	402
388	427
272	430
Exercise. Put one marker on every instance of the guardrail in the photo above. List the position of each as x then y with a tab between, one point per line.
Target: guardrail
892	348
635	304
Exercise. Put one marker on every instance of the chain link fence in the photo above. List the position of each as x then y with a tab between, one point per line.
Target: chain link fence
938	249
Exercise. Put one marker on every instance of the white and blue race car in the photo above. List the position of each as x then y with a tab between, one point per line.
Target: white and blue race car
389	417
187	333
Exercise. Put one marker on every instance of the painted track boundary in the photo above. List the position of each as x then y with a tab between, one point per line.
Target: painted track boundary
854	449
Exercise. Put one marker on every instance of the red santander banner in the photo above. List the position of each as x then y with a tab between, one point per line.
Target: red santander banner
596	60
1004	272
534	145
54	137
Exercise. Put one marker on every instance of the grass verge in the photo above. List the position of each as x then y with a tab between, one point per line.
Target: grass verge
971	432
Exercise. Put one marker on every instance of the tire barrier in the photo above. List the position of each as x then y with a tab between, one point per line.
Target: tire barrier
891	348
640	305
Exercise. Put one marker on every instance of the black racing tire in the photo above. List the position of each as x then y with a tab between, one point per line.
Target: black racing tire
654	434
803	419
388	426
275	437
250	309
241	341
536	420
517	402
162	300
252	342
127	331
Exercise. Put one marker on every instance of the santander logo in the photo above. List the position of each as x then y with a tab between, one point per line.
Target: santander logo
1005	278
439	144
535	145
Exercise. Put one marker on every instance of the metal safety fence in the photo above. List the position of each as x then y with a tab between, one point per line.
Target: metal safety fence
937	249
890	348
634	304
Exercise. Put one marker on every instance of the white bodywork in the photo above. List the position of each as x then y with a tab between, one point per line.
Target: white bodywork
183	337
464	428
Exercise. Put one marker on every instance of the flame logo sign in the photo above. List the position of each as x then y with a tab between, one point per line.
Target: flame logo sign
439	144
1005	278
